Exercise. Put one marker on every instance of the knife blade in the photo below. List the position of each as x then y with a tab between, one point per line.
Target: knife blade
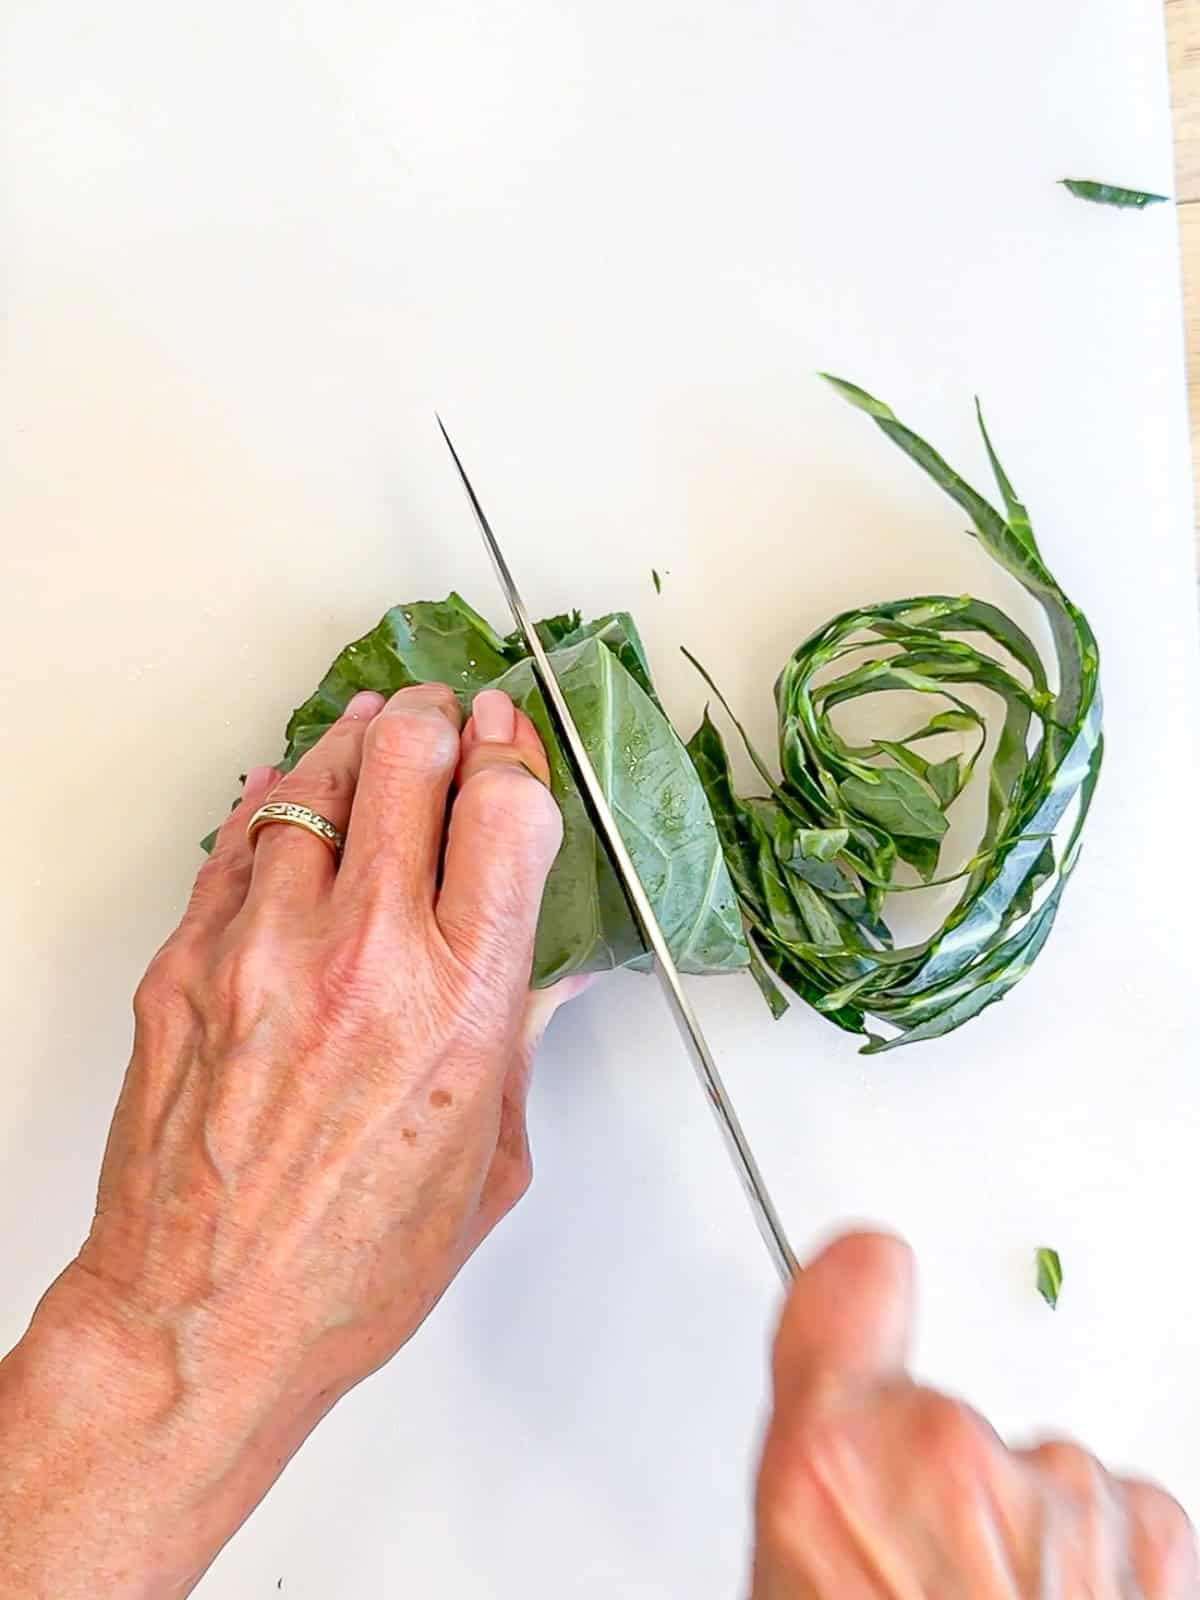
767	1217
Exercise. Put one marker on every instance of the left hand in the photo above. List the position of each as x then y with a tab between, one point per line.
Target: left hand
323	1117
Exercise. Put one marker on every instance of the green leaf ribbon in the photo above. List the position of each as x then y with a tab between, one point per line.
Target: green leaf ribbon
815	917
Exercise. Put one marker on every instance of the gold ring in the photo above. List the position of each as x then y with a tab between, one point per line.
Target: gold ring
300	817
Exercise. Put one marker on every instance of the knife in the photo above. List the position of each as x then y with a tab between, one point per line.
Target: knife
769	1223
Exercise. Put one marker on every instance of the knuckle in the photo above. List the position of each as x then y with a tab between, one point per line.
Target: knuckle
415	739
433	693
350	979
223	865
230	829
949	1433
1165	1525
505	799
486	944
1070	1465
159	987
322	781
514	1183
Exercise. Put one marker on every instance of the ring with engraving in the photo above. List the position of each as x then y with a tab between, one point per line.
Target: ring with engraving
298	817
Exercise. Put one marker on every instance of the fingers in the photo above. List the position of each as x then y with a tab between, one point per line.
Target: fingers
543	1003
505	831
222	882
293	869
1164	1544
500	734
1110	1537
848	1321
395	836
1089	1520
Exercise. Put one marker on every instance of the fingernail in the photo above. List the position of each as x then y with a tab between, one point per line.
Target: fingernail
365	704
495	717
426	697
259	777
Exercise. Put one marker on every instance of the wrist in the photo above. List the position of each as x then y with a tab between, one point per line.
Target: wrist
124	1474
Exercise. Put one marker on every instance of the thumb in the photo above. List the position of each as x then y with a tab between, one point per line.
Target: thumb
505	831
848	1321
543	1003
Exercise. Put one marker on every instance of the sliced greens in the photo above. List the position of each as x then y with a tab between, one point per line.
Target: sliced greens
586	924
1111	194
815	857
796	882
1049	1277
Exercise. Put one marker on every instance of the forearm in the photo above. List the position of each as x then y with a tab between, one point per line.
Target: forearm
121	1475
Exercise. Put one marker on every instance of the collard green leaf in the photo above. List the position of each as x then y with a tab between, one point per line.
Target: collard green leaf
658	800
1111	194
551	631
821	844
441	641
896	802
664	818
619	633
944	780
826	937
1049	1277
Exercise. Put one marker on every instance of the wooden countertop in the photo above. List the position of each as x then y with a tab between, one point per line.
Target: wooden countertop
1183	37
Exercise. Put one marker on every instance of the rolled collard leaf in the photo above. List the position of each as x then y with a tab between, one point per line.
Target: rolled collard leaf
658	800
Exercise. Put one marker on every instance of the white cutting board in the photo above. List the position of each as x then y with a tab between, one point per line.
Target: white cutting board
249	249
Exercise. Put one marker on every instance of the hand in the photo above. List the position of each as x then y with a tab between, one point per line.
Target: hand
323	1117
873	1488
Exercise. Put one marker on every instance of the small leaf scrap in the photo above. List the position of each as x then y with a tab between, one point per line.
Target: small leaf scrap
1111	194
657	580
1050	1276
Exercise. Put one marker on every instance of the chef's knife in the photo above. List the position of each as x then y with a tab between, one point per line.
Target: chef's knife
585	774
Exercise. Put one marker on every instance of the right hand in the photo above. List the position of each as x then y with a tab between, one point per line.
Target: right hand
873	1488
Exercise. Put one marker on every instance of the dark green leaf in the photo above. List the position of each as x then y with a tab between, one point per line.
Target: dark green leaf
777	1001
819	922
1111	194
895	801
821	844
1018	517
551	631
1049	1277
443	641
658	800
657	580
944	780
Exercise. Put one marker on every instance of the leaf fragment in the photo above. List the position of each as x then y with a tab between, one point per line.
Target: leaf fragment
1111	194
1049	1276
